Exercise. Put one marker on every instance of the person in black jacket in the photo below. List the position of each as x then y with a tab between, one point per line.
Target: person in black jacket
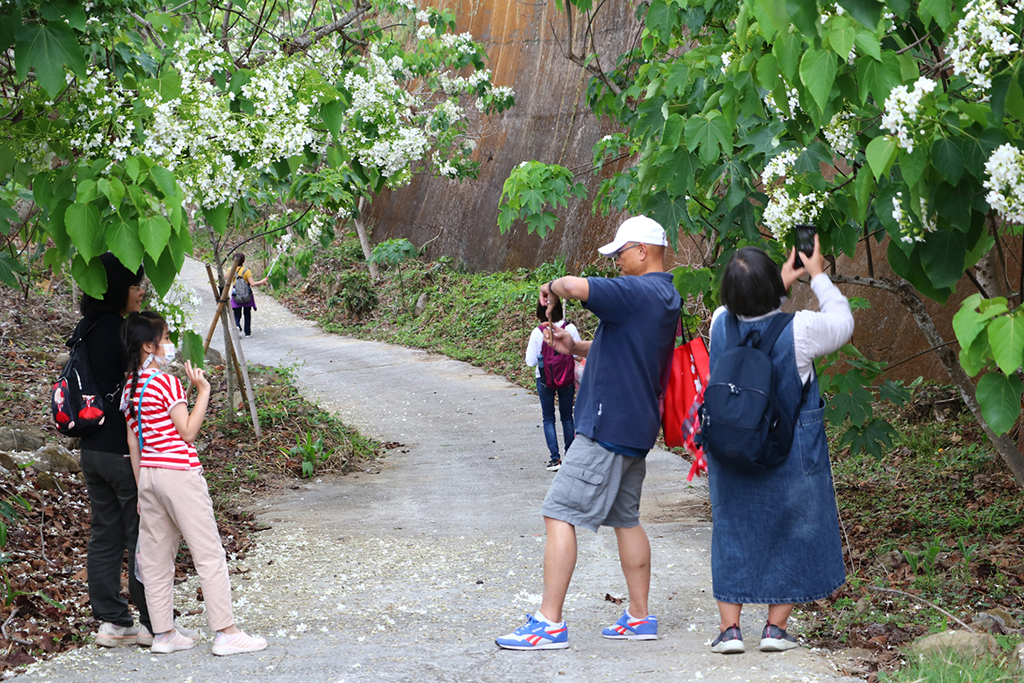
113	494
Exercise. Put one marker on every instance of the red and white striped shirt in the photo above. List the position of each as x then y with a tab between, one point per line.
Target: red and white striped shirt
162	445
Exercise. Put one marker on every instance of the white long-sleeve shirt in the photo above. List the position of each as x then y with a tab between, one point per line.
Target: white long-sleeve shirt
533	348
815	333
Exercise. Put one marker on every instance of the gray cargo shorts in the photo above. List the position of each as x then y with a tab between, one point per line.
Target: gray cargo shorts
596	487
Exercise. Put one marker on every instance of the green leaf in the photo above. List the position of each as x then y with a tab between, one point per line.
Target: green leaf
218	217
8	267
154	231
673	131
948	160
912	165
967	321
787	50
867	44
47	48
161	273
91	276
817	73
871	438
113	190
939	10
669	211
166	181
168	84
804	15
878	78
867	12
768	71
192	348
1006	337
711	133
894	392
942	257
131	167
841	39
660	20
333	113
999	399
881	153
123	241
863	185
83	225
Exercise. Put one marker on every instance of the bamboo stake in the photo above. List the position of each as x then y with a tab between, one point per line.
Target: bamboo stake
239	357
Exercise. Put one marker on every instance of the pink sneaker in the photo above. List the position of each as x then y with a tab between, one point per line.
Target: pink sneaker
166	643
237	643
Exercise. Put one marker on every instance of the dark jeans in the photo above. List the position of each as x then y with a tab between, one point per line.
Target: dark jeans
113	496
248	318
547	409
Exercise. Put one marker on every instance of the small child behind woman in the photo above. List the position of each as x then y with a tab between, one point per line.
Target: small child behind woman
174	499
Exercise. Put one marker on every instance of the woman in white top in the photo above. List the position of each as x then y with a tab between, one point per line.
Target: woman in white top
566	394
775	538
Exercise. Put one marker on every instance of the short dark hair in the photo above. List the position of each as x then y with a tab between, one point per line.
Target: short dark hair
119	281
556	315
751	284
136	330
239	258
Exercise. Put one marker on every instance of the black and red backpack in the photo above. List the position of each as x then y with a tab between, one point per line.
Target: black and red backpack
76	404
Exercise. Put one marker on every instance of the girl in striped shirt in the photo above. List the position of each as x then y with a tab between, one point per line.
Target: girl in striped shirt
174	500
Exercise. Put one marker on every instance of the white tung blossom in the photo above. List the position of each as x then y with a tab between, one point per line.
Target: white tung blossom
840	134
901	110
982	38
784	211
1005	183
778	167
912	232
792	98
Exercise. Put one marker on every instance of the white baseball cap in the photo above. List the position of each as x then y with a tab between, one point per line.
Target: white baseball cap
636	229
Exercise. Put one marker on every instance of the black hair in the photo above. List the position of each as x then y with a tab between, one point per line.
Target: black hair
119	281
239	258
751	284
556	315
138	329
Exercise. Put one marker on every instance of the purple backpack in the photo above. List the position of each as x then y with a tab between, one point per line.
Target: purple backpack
559	368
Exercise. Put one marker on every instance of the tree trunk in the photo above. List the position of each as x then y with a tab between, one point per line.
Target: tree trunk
229	370
364	241
908	296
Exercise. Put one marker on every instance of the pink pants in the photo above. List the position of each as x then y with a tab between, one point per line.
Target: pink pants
176	503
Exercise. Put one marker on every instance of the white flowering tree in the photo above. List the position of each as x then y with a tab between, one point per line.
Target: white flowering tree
897	126
127	125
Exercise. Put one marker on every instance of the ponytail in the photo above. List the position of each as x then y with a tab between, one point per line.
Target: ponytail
138	329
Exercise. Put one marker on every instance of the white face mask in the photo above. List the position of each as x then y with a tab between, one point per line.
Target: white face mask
160	361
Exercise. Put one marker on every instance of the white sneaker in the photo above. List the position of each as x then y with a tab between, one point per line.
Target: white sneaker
237	643
112	635
167	643
145	638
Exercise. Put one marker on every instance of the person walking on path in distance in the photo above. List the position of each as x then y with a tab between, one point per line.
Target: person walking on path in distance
174	499
566	394
617	422
109	479
243	305
776	537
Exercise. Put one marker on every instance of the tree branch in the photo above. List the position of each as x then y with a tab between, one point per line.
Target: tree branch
303	41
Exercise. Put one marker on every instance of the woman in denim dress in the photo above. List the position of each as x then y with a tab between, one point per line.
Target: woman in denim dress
776	534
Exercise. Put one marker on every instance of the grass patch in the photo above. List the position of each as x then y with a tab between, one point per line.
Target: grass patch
949	668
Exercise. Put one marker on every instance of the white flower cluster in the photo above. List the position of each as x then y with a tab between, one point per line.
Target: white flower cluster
1005	183
462	43
981	38
901	109
912	233
839	134
778	167
176	307
783	211
445	167
285	243
101	126
315	229
792	97
407	4
726	60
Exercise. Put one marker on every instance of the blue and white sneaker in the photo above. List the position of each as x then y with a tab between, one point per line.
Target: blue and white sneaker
628	628
536	635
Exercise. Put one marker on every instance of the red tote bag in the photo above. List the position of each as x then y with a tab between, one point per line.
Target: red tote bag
683	397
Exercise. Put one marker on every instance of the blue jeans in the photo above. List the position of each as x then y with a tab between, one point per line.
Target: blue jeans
547	409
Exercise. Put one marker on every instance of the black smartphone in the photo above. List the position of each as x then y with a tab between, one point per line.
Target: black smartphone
804	242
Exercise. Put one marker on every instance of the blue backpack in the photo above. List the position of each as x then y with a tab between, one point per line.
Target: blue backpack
742	424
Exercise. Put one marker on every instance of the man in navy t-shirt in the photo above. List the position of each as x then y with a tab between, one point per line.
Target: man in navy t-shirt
617	423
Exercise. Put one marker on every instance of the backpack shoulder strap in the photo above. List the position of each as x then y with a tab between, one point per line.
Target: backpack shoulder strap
772	332
732	329
77	336
138	410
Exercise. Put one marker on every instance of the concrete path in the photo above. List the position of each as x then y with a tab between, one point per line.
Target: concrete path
407	572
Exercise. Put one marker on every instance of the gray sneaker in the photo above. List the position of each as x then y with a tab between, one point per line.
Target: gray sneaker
112	635
775	639
729	641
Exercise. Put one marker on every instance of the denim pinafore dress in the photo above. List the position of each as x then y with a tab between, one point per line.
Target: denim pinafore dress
775	536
